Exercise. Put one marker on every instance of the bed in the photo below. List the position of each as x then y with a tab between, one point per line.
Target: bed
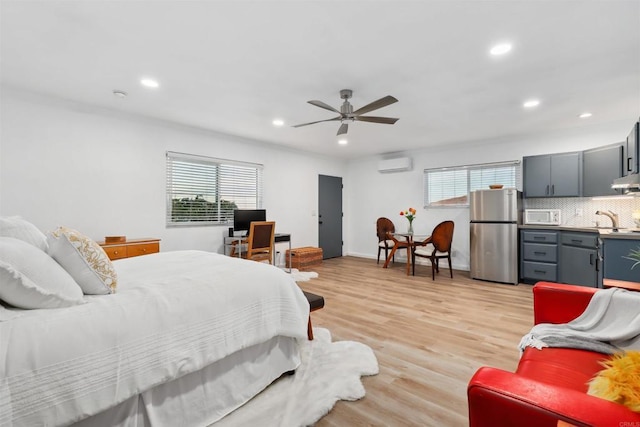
188	337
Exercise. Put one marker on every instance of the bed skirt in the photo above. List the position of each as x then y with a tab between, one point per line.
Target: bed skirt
205	396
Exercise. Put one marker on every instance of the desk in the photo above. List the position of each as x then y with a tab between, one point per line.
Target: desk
237	241
408	244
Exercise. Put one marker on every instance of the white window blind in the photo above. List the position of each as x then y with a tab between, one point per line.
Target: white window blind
451	186
205	190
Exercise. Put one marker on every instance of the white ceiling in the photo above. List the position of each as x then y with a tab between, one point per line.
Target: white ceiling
234	66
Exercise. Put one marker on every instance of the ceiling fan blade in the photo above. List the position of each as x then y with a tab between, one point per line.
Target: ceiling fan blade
319	121
373	119
382	102
343	129
323	105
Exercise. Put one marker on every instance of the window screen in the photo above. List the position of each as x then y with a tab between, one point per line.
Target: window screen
204	190
451	186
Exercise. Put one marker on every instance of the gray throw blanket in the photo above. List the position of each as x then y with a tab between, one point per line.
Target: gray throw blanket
609	324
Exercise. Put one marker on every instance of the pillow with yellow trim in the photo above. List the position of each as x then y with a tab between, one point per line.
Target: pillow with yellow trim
620	380
84	260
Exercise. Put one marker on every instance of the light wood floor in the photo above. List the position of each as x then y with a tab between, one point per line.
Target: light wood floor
429	337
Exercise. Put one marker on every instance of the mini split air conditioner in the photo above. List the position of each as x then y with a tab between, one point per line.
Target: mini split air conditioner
395	165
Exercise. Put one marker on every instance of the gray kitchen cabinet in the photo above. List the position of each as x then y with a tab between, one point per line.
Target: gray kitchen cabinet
600	166
616	265
553	175
579	262
538	255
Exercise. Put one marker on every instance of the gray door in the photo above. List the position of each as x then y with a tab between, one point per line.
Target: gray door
330	215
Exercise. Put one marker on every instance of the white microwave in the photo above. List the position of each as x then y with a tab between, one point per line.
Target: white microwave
542	217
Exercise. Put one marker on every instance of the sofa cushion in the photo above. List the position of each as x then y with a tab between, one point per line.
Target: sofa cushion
564	367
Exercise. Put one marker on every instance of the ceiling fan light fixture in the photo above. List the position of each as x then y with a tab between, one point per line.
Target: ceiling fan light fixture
532	103
348	116
278	122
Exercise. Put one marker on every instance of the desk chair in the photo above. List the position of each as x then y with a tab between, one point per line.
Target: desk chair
260	241
441	239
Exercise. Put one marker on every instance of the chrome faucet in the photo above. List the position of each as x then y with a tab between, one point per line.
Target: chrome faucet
613	216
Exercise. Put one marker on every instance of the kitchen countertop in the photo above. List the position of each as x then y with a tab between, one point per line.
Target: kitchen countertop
605	233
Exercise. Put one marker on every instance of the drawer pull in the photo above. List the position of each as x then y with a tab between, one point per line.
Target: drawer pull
540	271
576	240
539	238
539	253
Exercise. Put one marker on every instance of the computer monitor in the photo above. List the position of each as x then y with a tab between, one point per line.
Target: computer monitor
242	219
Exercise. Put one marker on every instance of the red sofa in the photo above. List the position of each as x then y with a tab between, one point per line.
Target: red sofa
549	385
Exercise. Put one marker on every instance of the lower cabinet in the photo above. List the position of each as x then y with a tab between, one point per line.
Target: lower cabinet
580	261
560	256
617	266
538	255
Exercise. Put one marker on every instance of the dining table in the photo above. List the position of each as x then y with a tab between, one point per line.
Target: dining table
409	242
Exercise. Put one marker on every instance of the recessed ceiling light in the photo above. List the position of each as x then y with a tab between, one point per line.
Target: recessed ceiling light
531	103
149	83
585	115
500	49
278	122
343	141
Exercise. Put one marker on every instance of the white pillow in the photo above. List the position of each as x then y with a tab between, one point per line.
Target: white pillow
84	260
29	278
15	226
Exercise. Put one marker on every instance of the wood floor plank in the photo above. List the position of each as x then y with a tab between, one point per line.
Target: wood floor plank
429	337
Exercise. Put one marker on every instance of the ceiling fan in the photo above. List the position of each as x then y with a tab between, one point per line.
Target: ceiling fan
347	115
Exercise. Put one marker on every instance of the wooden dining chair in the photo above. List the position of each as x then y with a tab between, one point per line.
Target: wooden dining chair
441	239
384	226
260	241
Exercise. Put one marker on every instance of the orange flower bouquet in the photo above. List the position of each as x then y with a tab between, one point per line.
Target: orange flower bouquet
410	214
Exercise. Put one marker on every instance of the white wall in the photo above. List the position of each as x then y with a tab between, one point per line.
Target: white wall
103	173
376	194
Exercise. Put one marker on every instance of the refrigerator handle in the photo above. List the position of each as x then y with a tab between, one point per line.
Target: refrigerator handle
553	189
547	190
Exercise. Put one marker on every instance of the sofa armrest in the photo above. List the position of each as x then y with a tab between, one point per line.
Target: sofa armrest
559	303
499	398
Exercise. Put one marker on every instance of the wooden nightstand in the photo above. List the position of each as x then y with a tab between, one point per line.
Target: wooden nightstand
131	248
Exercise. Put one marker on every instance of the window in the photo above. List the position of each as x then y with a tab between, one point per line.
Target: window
451	186
204	190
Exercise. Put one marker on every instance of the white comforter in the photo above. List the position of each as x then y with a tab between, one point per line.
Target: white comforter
173	313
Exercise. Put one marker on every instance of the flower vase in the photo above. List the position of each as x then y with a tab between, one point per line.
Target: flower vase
410	230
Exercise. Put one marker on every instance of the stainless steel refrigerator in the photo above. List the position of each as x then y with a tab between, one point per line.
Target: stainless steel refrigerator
494	217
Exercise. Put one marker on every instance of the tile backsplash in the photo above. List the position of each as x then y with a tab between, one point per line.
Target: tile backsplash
570	205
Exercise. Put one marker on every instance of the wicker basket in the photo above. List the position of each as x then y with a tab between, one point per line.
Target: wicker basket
304	258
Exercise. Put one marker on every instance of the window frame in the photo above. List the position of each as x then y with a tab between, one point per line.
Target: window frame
216	183
517	178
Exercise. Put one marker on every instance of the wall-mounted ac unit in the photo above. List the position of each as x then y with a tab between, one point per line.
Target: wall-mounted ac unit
395	165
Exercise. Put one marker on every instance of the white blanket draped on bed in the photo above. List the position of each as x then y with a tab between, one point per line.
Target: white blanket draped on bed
174	313
610	323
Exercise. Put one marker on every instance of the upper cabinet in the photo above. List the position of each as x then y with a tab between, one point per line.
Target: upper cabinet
600	167
553	175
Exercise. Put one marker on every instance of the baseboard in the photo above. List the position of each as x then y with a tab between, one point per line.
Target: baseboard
400	259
